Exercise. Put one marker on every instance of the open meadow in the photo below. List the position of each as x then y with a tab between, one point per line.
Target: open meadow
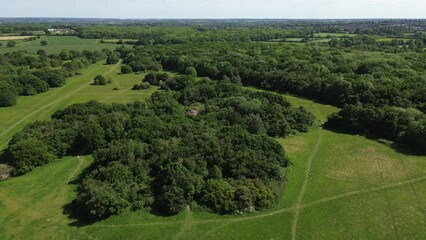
55	44
78	89
358	187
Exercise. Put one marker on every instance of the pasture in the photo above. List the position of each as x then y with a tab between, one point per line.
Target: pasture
358	187
57	43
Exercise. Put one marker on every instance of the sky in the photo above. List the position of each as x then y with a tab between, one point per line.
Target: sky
143	9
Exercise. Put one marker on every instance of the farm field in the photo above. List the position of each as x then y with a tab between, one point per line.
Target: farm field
358	187
8	38
57	43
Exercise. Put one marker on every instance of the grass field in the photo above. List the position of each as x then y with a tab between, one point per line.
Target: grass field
76	90
57	44
337	35
340	186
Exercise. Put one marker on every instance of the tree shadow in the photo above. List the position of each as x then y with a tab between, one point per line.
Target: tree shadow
77	214
73	210
398	147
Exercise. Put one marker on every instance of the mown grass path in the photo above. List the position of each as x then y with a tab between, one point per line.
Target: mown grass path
298	204
341	186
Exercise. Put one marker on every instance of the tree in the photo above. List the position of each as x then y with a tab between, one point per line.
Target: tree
100	80
126	69
191	71
151	78
11	43
172	200
41	52
26	154
8	94
112	59
1	44
219	196
43	43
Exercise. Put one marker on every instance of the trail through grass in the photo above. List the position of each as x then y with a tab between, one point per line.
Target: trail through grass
339	186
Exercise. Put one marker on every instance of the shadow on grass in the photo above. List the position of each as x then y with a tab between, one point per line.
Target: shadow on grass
398	147
77	214
73	210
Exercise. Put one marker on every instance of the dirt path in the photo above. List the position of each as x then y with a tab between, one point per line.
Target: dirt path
366	190
298	204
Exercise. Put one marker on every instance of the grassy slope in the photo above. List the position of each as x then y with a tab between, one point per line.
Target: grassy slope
340	187
76	90
57	44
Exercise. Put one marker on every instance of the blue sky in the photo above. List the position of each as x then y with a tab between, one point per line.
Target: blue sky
215	9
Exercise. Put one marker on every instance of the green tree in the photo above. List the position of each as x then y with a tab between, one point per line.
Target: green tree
8	94
11	43
26	154
191	71
112	59
151	78
126	69
171	200
43	43
99	80
219	196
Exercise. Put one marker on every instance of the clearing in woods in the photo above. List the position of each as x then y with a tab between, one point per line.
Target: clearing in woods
76	90
357	187
56	44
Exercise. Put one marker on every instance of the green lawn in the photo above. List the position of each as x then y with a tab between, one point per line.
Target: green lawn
57	44
340	186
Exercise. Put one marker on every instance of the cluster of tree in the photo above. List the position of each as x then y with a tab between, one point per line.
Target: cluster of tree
338	76
207	143
332	75
185	34
141	85
23	73
370	43
406	126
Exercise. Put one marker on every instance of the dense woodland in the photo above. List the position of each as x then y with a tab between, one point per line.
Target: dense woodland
204	141
25	74
391	78
207	144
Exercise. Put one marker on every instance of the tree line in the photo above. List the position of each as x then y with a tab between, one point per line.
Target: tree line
24	74
335	75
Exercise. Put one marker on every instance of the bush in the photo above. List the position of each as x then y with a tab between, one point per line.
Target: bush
140	86
191	71
100	80
11	44
112	59
125	69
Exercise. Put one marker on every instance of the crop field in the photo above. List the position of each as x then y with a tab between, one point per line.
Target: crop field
57	44
9	38
358	187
